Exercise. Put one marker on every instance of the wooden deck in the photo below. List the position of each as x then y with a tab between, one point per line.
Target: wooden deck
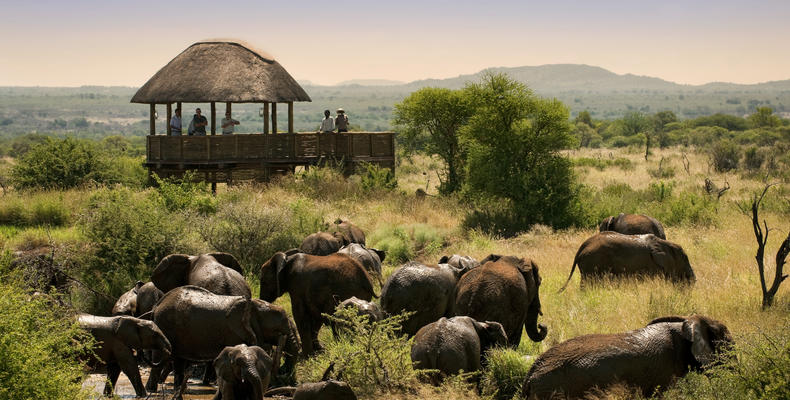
228	158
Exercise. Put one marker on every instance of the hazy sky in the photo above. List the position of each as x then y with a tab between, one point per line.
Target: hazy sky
113	42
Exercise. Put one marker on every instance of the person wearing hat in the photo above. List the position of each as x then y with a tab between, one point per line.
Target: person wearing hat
341	121
228	124
198	124
175	123
328	124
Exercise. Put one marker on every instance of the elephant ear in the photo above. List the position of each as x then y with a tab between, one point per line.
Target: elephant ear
661	254
380	253
669	318
606	224
529	270
697	331
224	365
444	260
171	272
137	286
228	260
127	329
495	333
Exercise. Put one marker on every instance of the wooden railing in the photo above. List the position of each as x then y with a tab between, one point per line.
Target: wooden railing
263	149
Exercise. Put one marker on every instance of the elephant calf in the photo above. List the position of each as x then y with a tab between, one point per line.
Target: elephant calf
138	300
633	224
646	359
116	338
615	254
243	372
455	344
369	258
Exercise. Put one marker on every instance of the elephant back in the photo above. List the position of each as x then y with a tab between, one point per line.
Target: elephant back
427	290
320	244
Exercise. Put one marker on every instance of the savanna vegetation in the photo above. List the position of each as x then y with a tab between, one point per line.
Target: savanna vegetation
89	205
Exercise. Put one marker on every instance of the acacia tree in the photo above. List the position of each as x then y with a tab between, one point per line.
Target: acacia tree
429	120
513	140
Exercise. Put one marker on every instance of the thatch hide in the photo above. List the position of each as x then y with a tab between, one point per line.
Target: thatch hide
218	71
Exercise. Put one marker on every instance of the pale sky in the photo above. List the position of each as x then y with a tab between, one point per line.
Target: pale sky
113	42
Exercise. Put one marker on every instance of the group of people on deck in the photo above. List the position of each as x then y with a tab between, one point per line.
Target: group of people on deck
329	124
197	126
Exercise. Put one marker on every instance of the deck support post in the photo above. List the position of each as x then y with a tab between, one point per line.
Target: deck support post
169	115
213	118
274	117
152	125
290	117
265	117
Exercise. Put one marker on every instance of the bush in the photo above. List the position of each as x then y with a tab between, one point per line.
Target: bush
375	177
40	346
57	164
43	209
185	193
373	357
725	155
405	242
254	232
505	373
753	158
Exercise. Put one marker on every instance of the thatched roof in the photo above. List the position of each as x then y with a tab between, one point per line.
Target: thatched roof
221	71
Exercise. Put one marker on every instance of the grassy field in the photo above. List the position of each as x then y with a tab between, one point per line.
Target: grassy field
715	234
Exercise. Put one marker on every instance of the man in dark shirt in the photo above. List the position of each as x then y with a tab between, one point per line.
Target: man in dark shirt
199	122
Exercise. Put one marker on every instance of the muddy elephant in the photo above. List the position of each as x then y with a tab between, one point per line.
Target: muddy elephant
426	290
646	359
200	324
632	224
243	373
138	300
116	339
617	255
321	244
316	284
455	344
369	258
347	232
220	273
503	289
372	310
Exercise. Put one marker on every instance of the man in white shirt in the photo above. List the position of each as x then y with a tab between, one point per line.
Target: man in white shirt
228	124
175	123
328	124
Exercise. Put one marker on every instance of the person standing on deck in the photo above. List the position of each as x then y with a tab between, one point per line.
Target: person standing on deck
228	124
175	123
341	121
199	123
328	124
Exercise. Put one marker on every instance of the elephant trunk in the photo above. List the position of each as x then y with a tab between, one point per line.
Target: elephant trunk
535	331
253	380
291	350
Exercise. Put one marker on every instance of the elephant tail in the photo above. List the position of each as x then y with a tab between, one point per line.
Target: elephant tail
573	268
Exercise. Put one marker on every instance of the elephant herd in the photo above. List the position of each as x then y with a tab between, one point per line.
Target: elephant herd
199	309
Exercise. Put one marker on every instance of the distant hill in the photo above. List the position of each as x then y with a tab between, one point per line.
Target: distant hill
370	82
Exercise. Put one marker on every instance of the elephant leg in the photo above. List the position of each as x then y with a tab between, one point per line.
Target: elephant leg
158	375
303	325
113	370
315	327
128	364
209	375
179	378
513	341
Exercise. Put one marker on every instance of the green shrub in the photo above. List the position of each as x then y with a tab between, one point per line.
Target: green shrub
14	212
57	164
50	210
40	343
405	242
374	177
373	357
320	183
254	232
725	155
183	193
505	373
753	158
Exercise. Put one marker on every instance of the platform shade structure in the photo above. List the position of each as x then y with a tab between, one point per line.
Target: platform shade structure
221	71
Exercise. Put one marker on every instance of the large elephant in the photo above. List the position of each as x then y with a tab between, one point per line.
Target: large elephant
369	258
138	300
321	244
426	290
116	338
220	273
647	359
615	254
200	324
503	289
243	373
632	224
316	285
455	344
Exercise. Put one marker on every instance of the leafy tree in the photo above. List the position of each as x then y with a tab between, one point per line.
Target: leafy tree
726	121
635	122
57	164
514	140
764	118
429	120
584	118
659	121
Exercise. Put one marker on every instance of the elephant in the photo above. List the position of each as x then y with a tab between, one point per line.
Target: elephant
243	372
648	359
426	290
138	300
220	273
612	253
316	284
349	232
459	261
632	224
326	389
321	244
372	310
369	258
503	289
455	344
200	324
116	338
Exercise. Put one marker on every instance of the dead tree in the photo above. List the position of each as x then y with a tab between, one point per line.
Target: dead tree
761	234
686	164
